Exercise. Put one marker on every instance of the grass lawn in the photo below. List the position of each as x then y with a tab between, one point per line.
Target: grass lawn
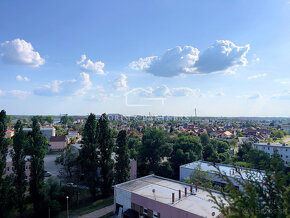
89	207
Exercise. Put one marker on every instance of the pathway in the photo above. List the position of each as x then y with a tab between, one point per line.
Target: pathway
99	213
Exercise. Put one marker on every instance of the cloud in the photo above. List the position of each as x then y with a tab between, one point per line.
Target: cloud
1	92
20	52
223	55
88	66
257	76
282	96
174	62
75	87
85	82
120	84
254	96
164	91
20	78
142	63
18	93
184	91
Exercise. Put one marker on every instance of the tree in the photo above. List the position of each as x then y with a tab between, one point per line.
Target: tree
5	183
88	156
68	160
3	143
185	150
153	149
64	120
263	197
122	166
18	157
106	148
38	150
199	177
204	139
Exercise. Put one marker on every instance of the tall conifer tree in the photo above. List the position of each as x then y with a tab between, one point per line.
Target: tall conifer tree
122	166
88	155
18	158
38	149
106	148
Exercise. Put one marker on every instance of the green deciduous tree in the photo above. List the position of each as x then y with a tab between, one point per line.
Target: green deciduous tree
122	166
106	148
38	149
88	156
186	149
18	157
204	139
153	149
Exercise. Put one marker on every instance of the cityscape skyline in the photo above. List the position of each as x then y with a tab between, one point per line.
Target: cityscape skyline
133	58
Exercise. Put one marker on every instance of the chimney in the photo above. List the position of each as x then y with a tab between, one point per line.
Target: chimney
196	187
190	189
179	194
185	190
172	198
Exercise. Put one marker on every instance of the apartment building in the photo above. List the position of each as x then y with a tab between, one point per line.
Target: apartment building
282	149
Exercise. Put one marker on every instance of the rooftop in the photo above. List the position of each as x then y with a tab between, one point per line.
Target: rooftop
228	170
197	203
272	144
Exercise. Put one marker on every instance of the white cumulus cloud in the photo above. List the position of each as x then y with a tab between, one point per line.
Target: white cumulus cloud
257	76
223	55
88	66
120	84
22	78
18	93
20	52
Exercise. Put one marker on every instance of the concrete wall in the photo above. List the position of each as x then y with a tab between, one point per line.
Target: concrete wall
123	198
165	210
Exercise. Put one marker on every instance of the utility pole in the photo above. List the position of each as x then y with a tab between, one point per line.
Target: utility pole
67	206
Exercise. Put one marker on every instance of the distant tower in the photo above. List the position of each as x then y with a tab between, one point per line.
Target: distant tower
195	112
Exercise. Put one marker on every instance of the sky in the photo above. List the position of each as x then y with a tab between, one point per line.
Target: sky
163	57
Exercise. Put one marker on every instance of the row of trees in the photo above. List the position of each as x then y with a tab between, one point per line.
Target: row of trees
95	166
13	189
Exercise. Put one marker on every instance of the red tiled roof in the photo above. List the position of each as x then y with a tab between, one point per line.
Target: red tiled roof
57	138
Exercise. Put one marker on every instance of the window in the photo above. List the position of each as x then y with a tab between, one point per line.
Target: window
281	155
268	148
7	168
286	156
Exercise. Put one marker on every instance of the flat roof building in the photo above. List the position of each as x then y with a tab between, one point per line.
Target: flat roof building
154	196
282	149
232	172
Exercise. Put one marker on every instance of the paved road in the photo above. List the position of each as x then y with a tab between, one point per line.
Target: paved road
99	213
49	164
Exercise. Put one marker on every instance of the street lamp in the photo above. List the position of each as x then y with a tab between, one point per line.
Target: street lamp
67	206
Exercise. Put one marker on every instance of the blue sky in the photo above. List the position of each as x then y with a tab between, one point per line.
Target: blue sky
223	57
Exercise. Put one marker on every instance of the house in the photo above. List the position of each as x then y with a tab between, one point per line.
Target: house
9	165
155	196
58	143
9	134
226	135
